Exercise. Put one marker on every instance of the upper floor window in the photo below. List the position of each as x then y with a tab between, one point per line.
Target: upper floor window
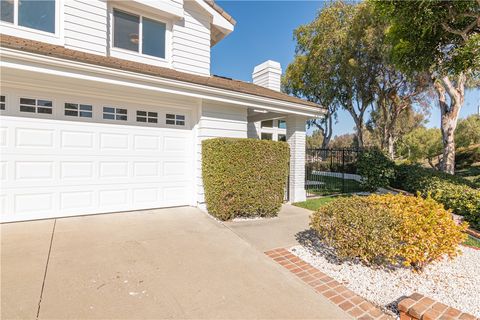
139	34
34	14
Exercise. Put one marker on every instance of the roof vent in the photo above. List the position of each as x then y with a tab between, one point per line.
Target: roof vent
268	75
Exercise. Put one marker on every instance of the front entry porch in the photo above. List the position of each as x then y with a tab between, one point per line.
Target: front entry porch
284	127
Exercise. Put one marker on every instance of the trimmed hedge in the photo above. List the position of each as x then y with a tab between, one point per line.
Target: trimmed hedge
455	193
388	229
244	177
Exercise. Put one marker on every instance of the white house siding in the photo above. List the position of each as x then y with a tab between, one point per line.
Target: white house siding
217	120
191	41
85	25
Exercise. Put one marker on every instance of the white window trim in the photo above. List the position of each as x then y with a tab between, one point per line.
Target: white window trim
115	113
36	98
175	115
78	109
57	38
138	56
147	117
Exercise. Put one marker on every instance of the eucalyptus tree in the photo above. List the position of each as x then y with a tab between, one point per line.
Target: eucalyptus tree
342	60
443	39
303	82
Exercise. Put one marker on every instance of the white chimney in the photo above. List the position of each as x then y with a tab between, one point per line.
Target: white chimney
268	75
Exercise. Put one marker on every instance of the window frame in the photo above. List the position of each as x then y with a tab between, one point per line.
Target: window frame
79	105
36	106
264	122
115	113
139	56
147	117
3	103
267	134
14	29
177	121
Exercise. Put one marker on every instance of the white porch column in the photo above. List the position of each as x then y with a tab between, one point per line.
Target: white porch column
253	129
296	140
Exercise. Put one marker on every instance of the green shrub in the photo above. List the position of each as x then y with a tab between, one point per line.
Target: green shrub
455	193
465	157
244	177
388	229
376	169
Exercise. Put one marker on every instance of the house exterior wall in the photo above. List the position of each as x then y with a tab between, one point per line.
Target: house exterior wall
191	41
85	25
216	120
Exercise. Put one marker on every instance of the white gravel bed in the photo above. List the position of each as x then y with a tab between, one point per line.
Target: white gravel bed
453	282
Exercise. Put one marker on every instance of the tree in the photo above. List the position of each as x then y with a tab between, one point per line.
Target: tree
443	39
421	144
334	62
303	82
389	123
315	140
468	131
346	140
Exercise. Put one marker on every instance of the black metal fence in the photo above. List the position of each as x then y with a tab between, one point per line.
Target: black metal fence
331	171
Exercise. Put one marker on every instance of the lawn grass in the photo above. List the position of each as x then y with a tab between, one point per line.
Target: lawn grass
472	242
314	204
332	185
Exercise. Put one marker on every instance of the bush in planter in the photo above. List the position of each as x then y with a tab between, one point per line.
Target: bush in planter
244	177
375	168
384	229
455	193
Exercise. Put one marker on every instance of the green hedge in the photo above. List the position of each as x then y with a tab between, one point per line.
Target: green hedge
244	177
375	168
453	192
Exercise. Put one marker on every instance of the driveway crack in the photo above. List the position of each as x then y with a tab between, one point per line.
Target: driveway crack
46	267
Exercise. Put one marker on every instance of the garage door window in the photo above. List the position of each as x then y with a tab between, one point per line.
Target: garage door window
36	106
175	119
78	110
111	113
144	116
2	102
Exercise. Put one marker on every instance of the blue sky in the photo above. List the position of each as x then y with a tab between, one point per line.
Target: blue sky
264	31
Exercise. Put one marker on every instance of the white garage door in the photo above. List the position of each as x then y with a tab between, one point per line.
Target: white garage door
56	167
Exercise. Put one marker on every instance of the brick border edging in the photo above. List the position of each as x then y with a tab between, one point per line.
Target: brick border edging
419	307
337	293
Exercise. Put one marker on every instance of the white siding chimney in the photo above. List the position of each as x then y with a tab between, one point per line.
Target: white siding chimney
268	75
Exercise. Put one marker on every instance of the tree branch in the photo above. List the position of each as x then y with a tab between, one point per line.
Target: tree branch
463	33
451	90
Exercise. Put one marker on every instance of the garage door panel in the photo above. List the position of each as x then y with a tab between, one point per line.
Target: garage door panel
53	168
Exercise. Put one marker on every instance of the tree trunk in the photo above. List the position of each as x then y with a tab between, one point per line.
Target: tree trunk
449	117
327	136
391	146
448	138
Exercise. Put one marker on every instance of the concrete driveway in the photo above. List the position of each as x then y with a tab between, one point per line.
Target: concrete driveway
170	263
